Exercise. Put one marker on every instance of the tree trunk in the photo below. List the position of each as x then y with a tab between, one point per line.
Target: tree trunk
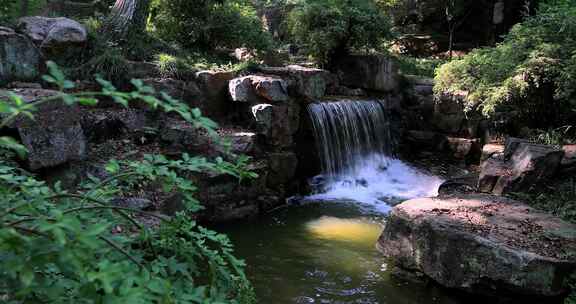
127	18
451	41
24	6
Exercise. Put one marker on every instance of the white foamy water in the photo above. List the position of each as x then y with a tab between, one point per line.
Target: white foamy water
375	184
355	145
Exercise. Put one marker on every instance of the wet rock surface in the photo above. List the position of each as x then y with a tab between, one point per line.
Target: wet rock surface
481	243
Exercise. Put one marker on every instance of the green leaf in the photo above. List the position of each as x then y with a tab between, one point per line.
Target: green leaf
11	144
87	101
68	84
27	276
17	99
56	72
4	107
196	112
120	100
112	167
68	99
49	79
137	83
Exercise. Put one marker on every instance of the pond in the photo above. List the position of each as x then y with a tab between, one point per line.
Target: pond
324	252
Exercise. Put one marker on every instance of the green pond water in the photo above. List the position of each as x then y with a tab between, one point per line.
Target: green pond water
324	253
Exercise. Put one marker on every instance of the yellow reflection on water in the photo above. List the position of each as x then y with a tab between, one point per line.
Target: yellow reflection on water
355	230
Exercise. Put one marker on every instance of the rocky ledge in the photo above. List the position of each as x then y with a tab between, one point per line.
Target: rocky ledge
482	244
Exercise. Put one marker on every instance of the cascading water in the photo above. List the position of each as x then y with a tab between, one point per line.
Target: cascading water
356	150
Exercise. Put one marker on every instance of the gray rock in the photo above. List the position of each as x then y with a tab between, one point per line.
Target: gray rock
58	38
186	91
20	59
72	174
241	89
55	136
462	148
214	86
282	168
272	89
242	143
425	90
181	136
258	89
371	72
425	140
278	123
132	203
519	168
142	70
450	116
481	244
568	163
490	172
244	210
489	150
453	124
103	124
511	146
346	91
24	85
459	185
308	83
53	32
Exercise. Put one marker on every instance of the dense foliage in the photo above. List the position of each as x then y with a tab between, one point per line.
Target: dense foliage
61	246
332	28
6	7
209	24
533	70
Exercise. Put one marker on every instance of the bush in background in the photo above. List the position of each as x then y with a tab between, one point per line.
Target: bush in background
329	29
532	71
210	24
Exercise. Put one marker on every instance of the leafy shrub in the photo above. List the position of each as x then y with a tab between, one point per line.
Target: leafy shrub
111	64
331	28
532	70
419	66
556	137
6	8
170	66
61	246
209	24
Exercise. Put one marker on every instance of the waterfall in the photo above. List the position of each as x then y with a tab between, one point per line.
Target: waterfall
356	150
350	132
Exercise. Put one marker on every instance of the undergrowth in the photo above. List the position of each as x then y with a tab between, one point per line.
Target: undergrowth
419	66
558	198
76	246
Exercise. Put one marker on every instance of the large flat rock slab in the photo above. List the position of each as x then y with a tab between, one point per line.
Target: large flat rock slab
482	244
